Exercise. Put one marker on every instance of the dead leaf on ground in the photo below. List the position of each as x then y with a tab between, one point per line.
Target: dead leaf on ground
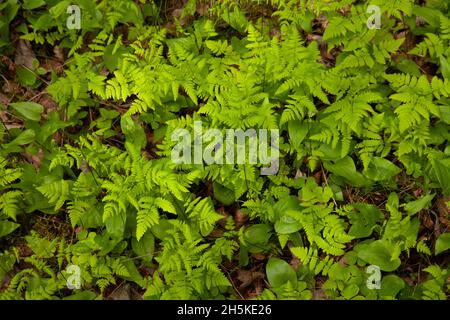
246	277
121	292
59	54
35	160
6	60
24	55
202	8
295	263
259	256
240	218
4	99
319	294
48	103
124	292
53	65
11	88
444	211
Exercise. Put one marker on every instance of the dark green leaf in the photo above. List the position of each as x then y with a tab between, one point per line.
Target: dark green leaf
279	272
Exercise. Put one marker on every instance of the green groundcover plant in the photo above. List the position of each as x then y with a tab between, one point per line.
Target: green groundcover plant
91	202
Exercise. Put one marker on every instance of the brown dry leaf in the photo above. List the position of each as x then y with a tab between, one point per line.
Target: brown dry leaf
299	174
418	192
408	280
24	250
78	229
258	289
3	117
319	294
35	160
59	54
426	220
216	233
124	291
295	263
318	177
48	103
176	14
53	65
6	60
223	222
275	32
24	55
4	283
58	138
11	88
444	211
259	256
343	262
246	277
13	125
240	218
202	8
4	99
121	292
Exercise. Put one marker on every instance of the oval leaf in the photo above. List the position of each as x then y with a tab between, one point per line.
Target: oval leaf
279	272
442	243
30	110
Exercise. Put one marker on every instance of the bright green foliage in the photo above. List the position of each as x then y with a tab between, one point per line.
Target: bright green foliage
364	123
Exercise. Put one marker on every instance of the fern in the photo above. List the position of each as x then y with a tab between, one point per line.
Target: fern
56	192
310	257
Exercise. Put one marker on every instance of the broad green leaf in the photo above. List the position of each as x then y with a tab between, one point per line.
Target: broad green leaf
287	225
161	229
134	133
297	133
379	253
279	272
381	169
111	58
223	194
25	76
364	220
6	227
350	291
30	110
391	286
285	204
135	276
419	204
25	137
442	243
115	225
144	247
83	295
257	236
445	67
430	15
442	172
346	169
46	130
33	4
